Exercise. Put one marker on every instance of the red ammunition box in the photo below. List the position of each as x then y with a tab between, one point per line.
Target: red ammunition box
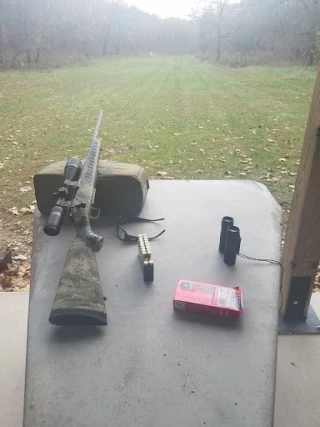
209	299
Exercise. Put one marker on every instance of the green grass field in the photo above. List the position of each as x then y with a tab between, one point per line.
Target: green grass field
187	118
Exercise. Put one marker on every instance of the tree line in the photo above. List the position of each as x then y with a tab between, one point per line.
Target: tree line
35	31
265	30
49	32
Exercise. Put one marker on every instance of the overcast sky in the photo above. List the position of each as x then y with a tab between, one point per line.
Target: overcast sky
165	8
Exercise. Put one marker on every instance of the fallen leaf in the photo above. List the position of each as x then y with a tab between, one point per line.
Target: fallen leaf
25	189
20	282
270	140
5	281
29	210
24	268
282	160
162	173
11	270
111	151
242	174
20	257
14	211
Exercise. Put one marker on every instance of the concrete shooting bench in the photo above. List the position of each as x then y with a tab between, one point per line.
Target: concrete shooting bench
151	366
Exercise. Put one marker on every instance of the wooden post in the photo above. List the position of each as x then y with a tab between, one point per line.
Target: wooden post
301	253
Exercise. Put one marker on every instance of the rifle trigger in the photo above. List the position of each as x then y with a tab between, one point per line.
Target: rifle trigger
95	212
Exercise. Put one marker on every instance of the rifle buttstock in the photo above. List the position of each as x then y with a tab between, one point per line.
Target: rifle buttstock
79	298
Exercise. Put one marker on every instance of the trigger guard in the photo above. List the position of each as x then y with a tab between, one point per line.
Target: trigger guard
94	213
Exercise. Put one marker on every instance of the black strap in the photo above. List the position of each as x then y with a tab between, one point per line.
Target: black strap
124	219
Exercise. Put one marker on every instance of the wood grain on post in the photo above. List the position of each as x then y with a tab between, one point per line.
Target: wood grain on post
302	244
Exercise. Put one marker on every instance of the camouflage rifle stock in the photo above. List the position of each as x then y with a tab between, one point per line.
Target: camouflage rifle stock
79	298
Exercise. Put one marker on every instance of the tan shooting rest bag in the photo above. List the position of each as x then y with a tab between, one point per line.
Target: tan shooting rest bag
121	187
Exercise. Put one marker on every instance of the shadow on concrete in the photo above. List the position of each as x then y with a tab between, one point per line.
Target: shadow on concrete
76	333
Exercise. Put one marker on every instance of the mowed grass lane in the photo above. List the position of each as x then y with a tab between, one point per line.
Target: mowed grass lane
187	118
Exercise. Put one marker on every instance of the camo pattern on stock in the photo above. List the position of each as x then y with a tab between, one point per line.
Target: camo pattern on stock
79	296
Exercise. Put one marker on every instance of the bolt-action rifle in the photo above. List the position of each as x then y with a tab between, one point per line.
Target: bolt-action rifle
79	298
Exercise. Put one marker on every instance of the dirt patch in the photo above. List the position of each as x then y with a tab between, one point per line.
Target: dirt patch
15	245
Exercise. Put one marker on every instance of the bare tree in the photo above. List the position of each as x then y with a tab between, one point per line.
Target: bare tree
312	9
211	19
220	7
1	34
272	29
25	18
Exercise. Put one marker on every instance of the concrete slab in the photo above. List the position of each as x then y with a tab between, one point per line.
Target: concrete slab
309	326
298	384
13	339
298	379
315	300
124	362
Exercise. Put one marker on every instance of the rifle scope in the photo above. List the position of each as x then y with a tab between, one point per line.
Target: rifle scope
72	172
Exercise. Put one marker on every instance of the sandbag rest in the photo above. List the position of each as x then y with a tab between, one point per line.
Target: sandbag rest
121	187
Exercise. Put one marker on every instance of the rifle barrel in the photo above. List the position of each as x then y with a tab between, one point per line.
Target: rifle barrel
96	131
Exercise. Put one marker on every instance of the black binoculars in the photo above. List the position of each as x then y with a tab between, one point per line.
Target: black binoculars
230	240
